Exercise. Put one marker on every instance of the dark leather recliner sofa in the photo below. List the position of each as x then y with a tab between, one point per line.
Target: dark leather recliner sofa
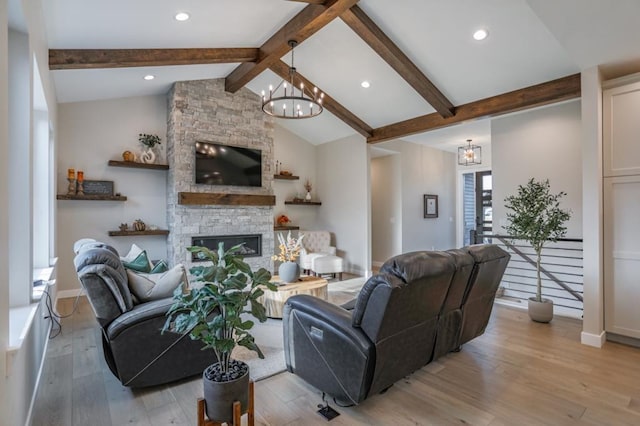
420	306
134	348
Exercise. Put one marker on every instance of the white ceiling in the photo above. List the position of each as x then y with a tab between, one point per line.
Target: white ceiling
530	42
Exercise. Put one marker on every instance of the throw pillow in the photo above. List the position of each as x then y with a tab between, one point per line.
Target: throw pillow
159	267
133	253
148	287
140	263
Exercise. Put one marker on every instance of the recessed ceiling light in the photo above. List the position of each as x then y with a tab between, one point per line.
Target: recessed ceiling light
182	16
481	34
149	77
365	84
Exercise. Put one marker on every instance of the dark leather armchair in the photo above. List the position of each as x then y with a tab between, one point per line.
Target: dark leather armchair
134	348
420	306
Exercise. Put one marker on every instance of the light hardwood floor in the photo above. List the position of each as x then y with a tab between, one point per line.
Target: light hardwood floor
517	373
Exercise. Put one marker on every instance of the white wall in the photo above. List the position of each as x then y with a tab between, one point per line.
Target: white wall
18	381
4	202
298	157
545	143
431	171
386	208
90	134
343	181
20	168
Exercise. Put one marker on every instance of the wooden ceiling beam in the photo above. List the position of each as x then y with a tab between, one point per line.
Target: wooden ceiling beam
541	94
362	25
302	26
66	59
333	106
310	1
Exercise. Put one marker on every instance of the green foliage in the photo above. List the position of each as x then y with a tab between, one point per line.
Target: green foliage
536	217
212	313
149	140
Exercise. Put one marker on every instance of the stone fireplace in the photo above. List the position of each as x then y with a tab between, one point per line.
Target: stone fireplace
251	244
202	111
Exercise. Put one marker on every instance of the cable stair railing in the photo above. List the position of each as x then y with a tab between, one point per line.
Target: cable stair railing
560	271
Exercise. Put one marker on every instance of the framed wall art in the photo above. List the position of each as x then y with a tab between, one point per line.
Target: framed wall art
430	206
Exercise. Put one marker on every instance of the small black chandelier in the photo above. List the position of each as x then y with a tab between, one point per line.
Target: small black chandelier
469	155
287	101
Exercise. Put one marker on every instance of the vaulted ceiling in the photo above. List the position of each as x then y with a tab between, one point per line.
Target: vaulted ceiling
425	69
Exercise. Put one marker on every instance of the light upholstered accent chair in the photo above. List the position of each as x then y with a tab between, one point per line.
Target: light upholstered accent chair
318	256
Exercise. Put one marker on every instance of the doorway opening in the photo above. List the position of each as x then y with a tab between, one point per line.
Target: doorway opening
477	206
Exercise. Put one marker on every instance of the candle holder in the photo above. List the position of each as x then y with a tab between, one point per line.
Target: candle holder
80	187
71	189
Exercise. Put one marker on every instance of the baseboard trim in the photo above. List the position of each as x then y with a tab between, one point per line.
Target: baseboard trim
39	376
625	340
358	271
595	340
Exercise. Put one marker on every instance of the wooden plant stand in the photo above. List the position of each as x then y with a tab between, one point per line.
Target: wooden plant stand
237	412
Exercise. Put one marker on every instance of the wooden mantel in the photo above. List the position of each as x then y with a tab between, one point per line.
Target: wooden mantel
208	198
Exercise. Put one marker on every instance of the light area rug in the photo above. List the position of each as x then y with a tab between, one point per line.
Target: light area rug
269	338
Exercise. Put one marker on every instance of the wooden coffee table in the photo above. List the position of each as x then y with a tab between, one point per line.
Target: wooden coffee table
274	301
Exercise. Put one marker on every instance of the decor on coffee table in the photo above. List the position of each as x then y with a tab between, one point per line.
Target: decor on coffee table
289	270
211	313
537	218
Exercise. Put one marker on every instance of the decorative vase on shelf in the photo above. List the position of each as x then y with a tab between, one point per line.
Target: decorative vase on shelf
289	272
148	156
307	197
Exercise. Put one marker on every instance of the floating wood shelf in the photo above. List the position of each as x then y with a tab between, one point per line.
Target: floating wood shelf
134	165
304	203
286	228
286	177
207	198
137	233
91	197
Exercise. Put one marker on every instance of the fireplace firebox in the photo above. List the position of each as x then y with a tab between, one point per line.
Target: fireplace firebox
252	246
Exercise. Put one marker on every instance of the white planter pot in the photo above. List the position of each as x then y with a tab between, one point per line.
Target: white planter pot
540	311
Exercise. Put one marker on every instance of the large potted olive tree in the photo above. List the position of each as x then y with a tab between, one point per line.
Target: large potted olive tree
536	217
211	312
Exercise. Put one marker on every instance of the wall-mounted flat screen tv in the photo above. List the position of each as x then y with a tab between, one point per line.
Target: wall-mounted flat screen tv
218	164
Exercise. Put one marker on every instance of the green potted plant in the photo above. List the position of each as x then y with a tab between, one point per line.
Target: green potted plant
149	141
536	217
212	312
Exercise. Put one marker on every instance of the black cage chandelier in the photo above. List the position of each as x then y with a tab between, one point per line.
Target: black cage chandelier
287	101
469	155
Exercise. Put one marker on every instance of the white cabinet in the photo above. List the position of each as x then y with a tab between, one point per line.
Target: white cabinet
621	171
621	136
622	255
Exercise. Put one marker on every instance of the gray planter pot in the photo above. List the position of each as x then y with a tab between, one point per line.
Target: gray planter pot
289	272
540	311
220	396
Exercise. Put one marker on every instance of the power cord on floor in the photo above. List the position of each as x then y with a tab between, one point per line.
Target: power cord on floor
56	325
325	410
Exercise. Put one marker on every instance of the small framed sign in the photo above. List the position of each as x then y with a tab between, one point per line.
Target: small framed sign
430	206
98	187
